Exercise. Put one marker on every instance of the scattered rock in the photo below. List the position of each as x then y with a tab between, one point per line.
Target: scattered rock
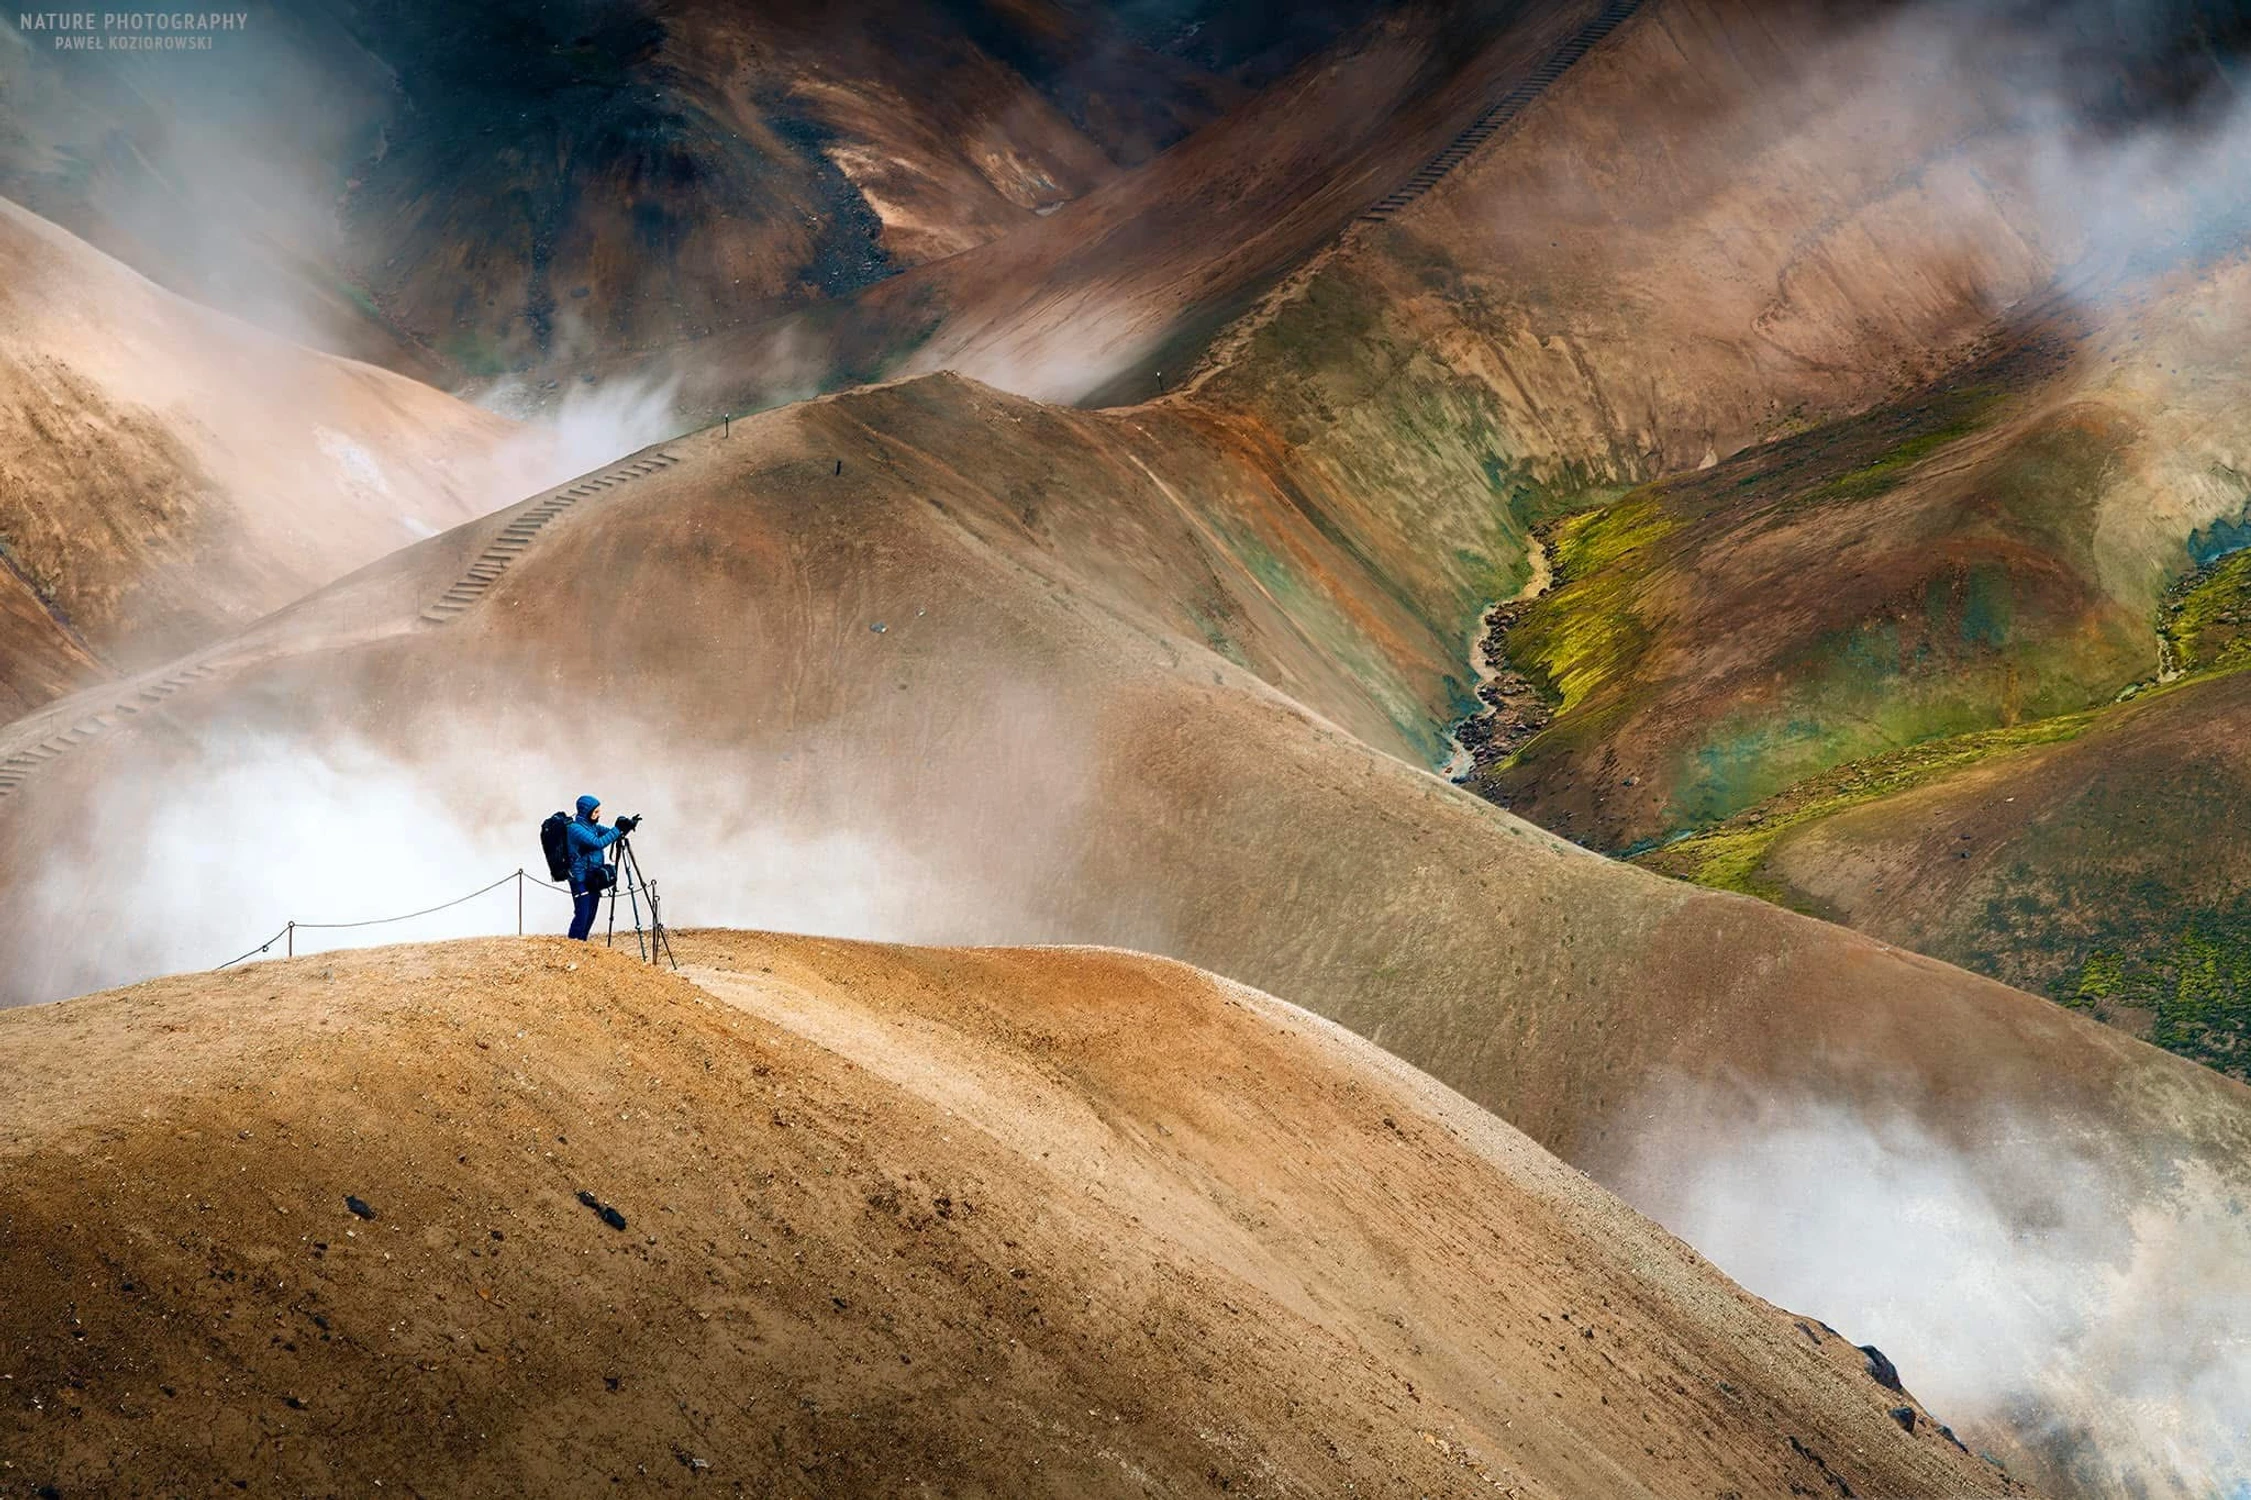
1905	1417
358	1206
1880	1369
1821	1466
1512	710
609	1215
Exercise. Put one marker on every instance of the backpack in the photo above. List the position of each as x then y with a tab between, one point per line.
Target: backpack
555	843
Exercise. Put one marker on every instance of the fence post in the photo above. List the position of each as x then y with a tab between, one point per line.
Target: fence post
519	900
290	933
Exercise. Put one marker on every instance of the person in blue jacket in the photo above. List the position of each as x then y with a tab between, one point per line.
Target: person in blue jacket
589	845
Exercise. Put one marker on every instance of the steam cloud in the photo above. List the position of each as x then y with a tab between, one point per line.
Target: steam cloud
2007	1282
190	857
589	426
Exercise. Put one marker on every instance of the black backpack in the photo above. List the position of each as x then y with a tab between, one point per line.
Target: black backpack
555	843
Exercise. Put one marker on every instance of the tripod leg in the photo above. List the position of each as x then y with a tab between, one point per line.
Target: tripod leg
640	942
659	940
633	894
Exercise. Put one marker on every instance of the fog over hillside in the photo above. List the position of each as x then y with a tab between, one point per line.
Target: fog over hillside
1267	651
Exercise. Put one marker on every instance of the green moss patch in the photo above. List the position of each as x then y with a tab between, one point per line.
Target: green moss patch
1733	856
1588	631
2149	960
2206	622
1922	431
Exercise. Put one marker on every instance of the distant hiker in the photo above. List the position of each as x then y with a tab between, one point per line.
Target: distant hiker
591	873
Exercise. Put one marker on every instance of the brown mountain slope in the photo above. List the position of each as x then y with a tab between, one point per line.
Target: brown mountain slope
166	472
892	701
1024	1222
1987	552
1927	347
1094	303
1736	223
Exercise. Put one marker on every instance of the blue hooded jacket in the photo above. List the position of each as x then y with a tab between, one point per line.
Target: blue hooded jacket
589	841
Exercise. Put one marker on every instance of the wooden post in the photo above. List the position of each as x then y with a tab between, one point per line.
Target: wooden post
519	900
289	933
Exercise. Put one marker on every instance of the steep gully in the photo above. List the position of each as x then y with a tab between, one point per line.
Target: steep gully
1512	708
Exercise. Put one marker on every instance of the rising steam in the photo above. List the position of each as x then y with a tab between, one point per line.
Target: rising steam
205	849
2020	1285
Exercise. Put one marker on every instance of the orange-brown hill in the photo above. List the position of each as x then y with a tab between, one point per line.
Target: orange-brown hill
1978	486
977	686
167	473
1738	224
888	1220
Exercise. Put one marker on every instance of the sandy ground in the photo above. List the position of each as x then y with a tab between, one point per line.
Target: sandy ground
887	1221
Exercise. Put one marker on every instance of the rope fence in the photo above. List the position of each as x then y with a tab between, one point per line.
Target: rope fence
287	936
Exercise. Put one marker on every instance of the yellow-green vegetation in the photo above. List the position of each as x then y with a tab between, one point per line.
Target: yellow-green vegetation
2194	985
2167	960
1958	414
1587	630
1732	856
2208	619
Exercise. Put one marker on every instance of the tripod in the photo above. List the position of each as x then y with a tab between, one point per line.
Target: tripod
652	940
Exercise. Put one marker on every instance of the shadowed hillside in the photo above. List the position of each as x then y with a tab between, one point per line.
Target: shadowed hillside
472	192
1880	383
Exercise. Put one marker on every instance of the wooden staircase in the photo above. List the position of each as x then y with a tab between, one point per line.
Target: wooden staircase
1498	116
16	769
142	694
517	536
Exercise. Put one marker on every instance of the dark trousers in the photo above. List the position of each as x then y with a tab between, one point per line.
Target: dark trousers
584	903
